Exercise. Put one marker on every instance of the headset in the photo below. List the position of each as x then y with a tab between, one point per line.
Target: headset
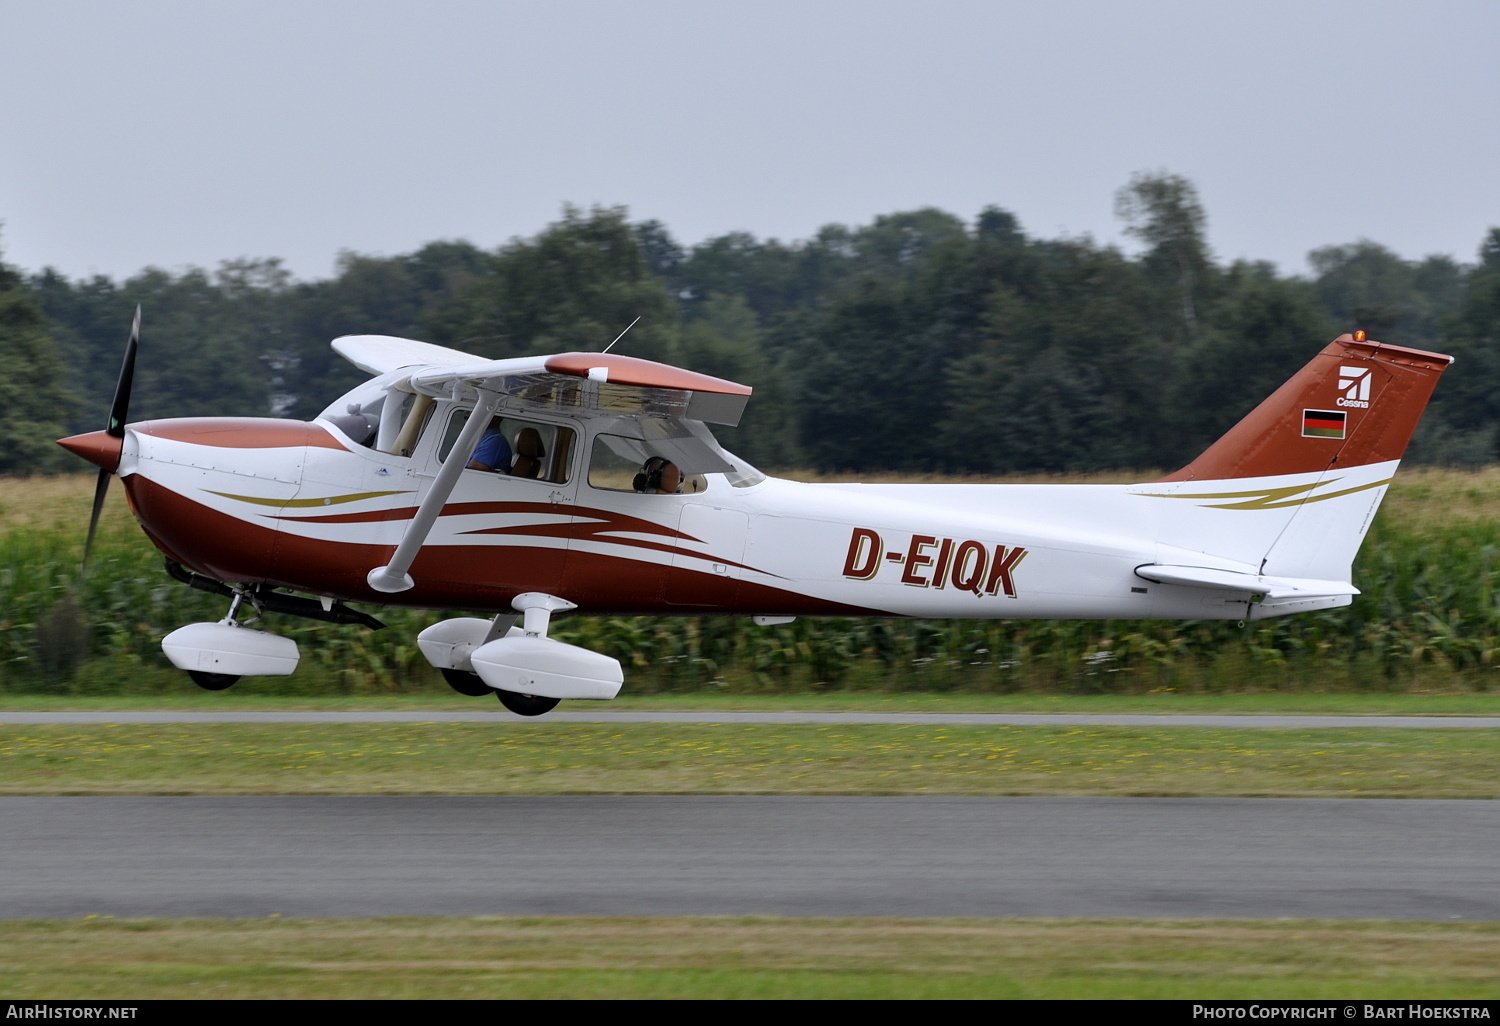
649	479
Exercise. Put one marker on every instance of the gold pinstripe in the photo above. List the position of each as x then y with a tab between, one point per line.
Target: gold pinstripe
331	500
1269	498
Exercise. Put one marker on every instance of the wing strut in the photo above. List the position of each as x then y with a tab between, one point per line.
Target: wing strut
393	577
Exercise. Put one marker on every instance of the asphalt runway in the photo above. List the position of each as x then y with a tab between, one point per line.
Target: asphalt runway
494	713
799	856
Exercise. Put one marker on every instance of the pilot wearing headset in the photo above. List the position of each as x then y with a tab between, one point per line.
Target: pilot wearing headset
659	476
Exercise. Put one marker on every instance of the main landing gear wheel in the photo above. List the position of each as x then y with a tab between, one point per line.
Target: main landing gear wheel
466	683
212	681
525	705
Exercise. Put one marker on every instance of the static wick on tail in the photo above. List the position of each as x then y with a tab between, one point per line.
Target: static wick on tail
622	334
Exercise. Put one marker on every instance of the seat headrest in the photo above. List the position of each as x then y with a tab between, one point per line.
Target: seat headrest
529	443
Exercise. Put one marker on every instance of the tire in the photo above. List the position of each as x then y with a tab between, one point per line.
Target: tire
212	681
466	683
525	705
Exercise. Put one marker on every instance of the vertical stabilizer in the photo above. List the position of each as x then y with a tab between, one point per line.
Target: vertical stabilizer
1290	490
1354	404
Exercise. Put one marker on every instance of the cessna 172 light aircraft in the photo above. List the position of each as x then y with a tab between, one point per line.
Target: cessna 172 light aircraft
614	497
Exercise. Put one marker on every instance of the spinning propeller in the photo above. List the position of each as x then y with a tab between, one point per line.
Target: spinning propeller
103	448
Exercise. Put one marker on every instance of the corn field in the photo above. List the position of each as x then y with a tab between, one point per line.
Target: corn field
1428	615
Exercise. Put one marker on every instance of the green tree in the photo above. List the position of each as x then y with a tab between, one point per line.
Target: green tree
1365	285
208	341
871	383
725	341
90	321
1262	329
1069	373
200	355
34	404
575	286
1461	425
403	296
1162	211
771	278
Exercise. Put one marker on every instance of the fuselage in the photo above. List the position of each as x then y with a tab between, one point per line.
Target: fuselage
301	505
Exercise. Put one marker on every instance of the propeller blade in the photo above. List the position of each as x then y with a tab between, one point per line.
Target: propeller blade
121	406
101	488
118	410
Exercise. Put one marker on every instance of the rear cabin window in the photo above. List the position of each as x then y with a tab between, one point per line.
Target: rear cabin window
538	451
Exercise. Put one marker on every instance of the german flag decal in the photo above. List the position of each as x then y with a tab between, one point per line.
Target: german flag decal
1323	423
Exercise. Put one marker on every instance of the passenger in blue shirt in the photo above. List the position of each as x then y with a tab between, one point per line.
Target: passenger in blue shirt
493	451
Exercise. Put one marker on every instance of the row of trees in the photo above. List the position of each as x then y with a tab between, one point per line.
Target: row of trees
918	342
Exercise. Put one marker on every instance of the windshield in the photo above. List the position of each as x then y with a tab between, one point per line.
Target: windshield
743	475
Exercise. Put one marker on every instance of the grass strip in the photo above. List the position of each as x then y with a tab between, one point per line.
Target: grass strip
243	697
509	757
738	957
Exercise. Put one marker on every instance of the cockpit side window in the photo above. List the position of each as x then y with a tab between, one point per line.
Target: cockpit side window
615	462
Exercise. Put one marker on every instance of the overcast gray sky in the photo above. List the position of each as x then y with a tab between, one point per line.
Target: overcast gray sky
175	133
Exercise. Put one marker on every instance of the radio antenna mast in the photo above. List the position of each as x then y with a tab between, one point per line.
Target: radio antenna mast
621	334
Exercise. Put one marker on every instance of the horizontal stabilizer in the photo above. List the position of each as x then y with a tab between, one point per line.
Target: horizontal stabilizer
1272	588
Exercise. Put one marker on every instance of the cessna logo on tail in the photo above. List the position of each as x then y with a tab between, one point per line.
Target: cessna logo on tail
932	562
1354	382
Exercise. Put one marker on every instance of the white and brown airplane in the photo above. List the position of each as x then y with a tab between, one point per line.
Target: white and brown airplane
609	494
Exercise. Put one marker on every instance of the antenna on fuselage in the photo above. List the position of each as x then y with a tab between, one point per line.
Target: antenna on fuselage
622	334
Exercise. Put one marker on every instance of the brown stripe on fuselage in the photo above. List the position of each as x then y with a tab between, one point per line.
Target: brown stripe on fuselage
240	432
611	521
374	516
584	531
590	524
474	577
198	536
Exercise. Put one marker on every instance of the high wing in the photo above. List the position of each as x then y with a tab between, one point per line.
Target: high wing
642	402
601	383
382	354
607	383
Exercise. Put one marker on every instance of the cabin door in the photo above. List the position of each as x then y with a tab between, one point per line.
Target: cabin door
706	566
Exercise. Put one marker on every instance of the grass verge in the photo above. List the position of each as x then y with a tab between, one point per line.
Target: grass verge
722	957
244	698
509	757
